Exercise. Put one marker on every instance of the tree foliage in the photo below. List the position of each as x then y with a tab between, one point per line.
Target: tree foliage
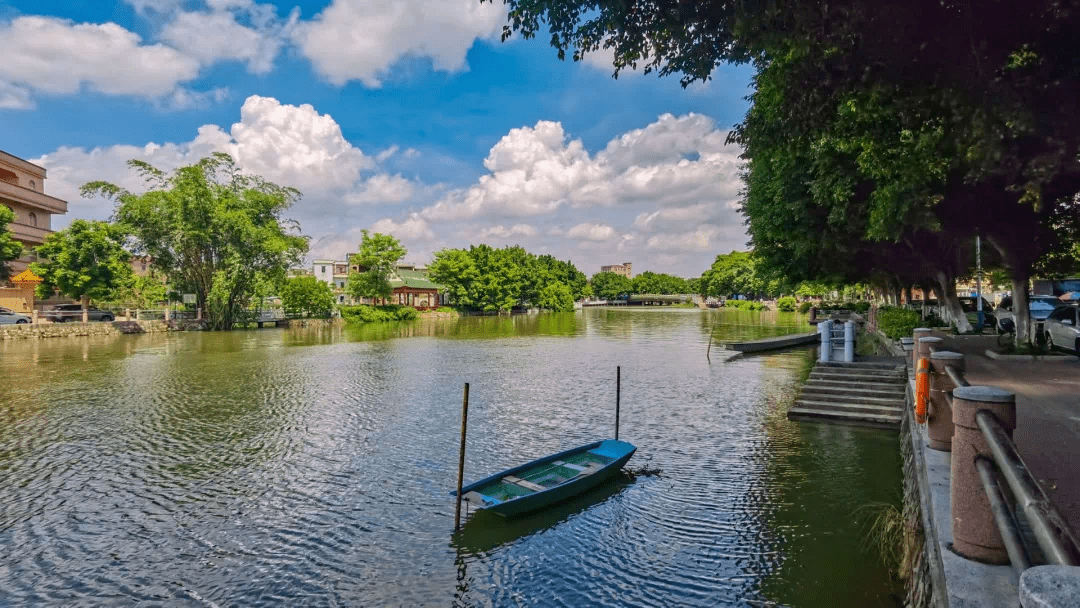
378	258
212	230
489	279
611	286
10	249
307	295
85	261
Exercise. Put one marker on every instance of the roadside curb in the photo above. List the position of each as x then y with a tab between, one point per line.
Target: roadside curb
1044	358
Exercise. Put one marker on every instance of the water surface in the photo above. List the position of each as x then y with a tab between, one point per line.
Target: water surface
311	467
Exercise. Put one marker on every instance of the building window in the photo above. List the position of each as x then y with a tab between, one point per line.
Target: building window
323	269
33	219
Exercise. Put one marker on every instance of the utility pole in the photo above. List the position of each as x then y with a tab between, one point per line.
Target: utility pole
978	282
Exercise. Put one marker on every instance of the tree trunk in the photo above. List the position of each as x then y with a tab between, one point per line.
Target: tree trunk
907	294
950	303
85	308
1021	311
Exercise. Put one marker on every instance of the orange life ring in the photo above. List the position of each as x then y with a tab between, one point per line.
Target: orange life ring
922	389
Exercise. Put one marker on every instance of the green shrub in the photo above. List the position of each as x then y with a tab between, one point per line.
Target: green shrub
897	322
786	304
805	307
744	305
859	307
375	314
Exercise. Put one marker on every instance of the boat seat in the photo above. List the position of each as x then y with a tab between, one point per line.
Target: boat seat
570	465
524	483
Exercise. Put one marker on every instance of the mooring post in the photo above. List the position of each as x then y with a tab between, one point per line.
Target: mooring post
618	391
849	341
975	533
825	330
461	457
939	424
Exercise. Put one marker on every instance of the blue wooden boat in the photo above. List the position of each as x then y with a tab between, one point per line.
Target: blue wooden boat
548	480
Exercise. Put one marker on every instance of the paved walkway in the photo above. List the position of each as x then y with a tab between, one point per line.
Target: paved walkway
1048	415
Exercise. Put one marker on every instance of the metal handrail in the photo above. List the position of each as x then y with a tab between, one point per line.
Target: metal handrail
1018	555
1049	528
956	376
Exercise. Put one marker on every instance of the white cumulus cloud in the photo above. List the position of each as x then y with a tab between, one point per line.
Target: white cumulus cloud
361	39
59	56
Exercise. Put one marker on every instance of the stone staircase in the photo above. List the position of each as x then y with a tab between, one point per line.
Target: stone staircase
867	393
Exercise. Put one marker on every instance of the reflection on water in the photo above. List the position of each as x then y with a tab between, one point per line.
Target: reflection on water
313	467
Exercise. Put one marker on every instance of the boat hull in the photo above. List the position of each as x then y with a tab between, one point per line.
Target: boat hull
618	451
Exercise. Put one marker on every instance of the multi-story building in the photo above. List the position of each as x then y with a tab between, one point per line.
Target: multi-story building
22	189
334	273
623	269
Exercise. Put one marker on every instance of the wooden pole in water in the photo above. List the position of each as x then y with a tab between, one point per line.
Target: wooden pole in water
618	390
461	458
709	349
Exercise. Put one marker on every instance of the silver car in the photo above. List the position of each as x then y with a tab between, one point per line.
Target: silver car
1039	307
1062	328
8	317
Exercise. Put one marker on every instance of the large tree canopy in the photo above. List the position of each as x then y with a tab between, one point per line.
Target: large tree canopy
876	125
484	278
212	230
86	261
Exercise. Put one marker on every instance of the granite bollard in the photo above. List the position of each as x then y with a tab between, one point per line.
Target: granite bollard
939	423
975	533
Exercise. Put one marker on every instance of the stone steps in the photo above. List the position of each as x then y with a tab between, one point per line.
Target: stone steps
861	419
868	393
891	400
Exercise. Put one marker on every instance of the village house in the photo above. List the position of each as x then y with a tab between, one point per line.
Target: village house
410	283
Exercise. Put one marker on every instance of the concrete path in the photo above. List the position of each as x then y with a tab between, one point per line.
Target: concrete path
1048	415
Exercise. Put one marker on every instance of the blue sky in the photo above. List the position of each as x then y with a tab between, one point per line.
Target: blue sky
403	117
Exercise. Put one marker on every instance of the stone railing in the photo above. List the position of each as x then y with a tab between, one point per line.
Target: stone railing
975	424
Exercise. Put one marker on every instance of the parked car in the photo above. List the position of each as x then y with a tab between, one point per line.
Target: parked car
8	317
73	312
1062	328
1039	307
971	307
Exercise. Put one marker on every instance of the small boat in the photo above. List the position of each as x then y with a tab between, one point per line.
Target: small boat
547	480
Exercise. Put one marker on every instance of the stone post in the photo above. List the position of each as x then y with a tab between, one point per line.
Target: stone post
127	314
198	314
975	534
33	316
825	330
813	314
939	424
85	316
849	341
1049	587
920	332
922	347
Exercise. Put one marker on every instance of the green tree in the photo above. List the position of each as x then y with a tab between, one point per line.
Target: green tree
378	258
609	286
85	261
212	230
10	249
455	270
142	292
307	295
557	297
732	274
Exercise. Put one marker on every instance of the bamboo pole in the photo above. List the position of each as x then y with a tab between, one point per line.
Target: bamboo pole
618	390
461	458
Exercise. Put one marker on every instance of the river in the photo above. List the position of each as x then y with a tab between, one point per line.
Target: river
312	467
